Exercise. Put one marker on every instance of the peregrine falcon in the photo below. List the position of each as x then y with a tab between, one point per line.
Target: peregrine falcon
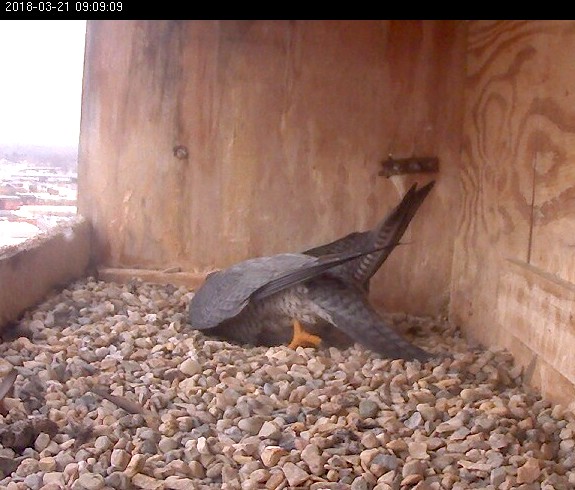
302	296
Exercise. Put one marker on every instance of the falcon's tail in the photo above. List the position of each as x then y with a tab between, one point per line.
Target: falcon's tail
383	238
388	233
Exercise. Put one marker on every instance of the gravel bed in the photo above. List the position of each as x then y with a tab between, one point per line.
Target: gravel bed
196	413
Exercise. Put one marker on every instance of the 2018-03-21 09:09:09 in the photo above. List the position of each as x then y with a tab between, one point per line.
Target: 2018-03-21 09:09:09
59	6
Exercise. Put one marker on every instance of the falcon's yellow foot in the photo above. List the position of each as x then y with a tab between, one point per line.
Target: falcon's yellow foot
303	338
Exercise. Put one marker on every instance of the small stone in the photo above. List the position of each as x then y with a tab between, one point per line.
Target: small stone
411	480
450	426
251	425
397	445
178	483
497	476
360	484
53	477
271	455
368	409
118	479
203	446
414	421
469	395
294	474
147	482
89	481
275	480
42	442
259	476
311	456
270	430
427	412
413	467
102	443
191	367
147	434
47	464
382	463
369	441
120	459
387	479
529	472
329	485
33	481
136	463
71	471
196	469
148	447
27	466
418	450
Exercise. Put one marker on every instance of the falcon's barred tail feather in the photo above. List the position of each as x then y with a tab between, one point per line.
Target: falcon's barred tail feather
388	232
385	236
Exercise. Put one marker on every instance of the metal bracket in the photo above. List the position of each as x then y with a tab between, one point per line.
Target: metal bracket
412	165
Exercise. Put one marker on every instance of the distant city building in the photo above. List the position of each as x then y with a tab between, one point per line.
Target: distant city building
33	198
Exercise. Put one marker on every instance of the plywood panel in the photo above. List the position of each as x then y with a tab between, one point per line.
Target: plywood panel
497	175
516	196
537	309
553	239
284	123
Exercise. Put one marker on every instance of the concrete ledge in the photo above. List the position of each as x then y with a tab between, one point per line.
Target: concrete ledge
30	270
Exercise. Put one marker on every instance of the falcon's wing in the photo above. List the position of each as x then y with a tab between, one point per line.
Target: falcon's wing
347	308
226	293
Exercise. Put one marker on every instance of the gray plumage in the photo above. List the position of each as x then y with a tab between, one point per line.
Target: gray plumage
256	301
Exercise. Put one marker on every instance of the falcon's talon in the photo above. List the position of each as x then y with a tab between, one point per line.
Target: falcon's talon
303	338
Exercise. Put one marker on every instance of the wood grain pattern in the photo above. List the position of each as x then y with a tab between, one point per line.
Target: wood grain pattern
285	123
517	194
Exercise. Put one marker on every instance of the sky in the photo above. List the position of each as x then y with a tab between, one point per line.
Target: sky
41	65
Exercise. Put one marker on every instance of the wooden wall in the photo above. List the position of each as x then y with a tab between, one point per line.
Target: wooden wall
514	262
284	124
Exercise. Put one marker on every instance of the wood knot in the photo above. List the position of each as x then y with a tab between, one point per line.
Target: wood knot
181	152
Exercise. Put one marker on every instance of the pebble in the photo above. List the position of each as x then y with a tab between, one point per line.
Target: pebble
261	417
27	467
89	481
147	482
418	450
42	442
120	459
269	430
178	483
135	464
53	477
529	472
271	455
275	480
311	455
368	409
190	367
47	464
294	474
251	425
